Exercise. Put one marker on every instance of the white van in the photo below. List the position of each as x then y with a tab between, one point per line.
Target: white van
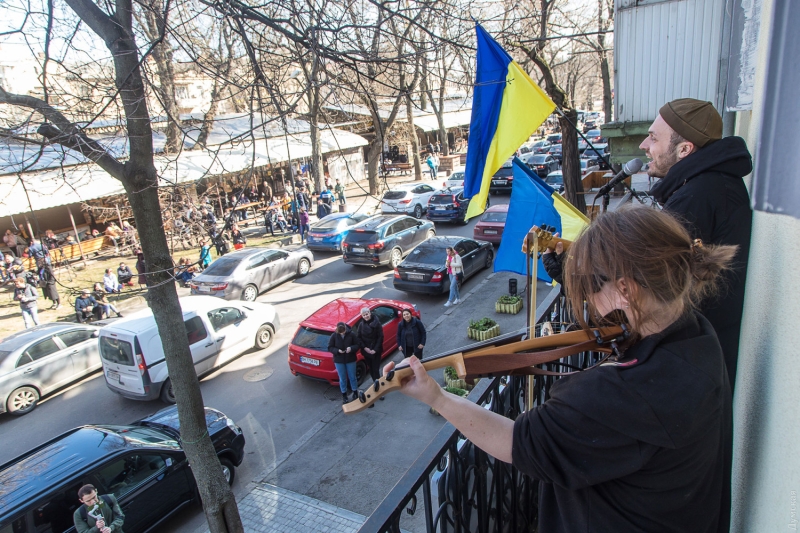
218	331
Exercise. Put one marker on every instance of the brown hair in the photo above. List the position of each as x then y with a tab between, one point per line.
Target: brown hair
85	491
650	248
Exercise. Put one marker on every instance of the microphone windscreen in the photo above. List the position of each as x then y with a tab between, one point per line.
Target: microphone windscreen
633	166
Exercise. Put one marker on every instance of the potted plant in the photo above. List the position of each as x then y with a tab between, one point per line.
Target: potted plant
508	304
451	379
483	329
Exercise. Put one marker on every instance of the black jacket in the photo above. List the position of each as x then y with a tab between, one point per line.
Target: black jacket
706	191
554	266
370	335
338	342
417	329
238	237
642	447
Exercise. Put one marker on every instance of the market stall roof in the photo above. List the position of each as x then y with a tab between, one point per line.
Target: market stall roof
71	184
452	119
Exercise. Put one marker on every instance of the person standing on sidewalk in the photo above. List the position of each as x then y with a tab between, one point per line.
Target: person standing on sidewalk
343	344
304	223
455	270
370	337
339	190
431	162
25	294
411	335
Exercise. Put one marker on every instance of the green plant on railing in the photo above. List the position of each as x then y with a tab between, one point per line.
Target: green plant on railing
506	299
483	324
450	372
456	391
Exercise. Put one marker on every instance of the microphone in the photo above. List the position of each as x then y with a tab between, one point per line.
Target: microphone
628	169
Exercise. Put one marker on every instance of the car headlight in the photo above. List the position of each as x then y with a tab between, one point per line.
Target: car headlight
231	424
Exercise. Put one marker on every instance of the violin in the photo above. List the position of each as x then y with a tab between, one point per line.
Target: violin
546	240
504	355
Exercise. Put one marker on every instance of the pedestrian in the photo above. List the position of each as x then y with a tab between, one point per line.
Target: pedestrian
26	295
411	335
700	180
455	271
339	190
304	222
238	238
111	283
141	268
205	254
101	297
431	162
48	281
11	241
124	275
39	252
343	344
322	208
85	306
97	514
370	337
662	428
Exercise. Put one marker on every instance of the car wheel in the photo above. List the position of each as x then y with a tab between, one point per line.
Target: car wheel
489	259
167	394
361	372
463	221
303	267
264	336
418	211
228	470
22	401
396	258
431	234
250	293
487	203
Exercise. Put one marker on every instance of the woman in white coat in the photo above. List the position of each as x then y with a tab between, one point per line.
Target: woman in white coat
454	268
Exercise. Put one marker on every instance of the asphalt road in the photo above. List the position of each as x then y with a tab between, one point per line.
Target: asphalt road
274	412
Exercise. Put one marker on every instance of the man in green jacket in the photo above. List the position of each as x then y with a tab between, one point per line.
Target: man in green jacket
98	514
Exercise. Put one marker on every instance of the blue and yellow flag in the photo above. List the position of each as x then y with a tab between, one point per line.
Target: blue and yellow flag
533	203
507	107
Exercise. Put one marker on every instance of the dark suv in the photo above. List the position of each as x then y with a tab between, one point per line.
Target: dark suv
142	464
449	205
384	240
503	179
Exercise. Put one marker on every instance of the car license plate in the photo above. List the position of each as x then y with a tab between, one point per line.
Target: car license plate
204	288
499	182
358	250
490	232
416	276
309	361
113	375
439	208
312	239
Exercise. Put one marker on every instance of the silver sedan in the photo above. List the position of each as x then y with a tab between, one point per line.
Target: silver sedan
42	359
244	274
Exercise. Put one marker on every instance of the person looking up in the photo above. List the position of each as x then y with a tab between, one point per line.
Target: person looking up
343	344
411	335
455	270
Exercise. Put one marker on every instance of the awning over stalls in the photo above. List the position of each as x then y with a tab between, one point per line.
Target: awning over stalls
452	119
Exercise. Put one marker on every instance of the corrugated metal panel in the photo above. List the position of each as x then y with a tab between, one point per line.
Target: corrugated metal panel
663	51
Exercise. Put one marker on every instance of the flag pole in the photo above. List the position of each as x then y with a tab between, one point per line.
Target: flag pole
532	247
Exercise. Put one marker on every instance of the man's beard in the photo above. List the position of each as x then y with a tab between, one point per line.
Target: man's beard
659	167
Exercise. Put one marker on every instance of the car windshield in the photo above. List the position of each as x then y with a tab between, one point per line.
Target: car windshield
554	179
326	225
457	176
428	255
222	267
361	236
494	216
144	435
394	195
593	133
116	351
503	172
537	159
314	339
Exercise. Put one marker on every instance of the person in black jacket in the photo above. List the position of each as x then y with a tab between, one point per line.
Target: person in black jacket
238	238
344	346
642	442
701	182
370	338
411	335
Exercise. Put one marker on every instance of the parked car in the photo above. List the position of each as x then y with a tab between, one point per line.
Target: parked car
384	240
218	332
503	179
555	151
409	198
554	138
424	269
449	205
143	465
456	179
588	165
37	361
491	224
595	136
246	273
556	180
542	164
589	125
540	147
308	350
599	152
328	233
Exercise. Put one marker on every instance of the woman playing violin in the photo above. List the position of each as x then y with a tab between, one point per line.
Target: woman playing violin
643	443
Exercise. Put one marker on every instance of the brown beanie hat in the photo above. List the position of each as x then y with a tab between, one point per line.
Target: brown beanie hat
694	120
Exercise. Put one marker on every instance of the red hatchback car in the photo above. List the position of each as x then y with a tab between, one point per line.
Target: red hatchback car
308	351
491	224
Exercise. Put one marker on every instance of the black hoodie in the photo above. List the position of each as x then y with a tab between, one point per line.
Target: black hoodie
706	191
640	445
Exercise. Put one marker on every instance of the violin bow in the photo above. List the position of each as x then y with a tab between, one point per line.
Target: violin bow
508	354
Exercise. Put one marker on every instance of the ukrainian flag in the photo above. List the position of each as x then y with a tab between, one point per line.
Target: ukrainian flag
507	107
534	203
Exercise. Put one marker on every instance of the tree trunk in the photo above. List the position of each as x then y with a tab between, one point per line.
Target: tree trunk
414	140
570	165
316	144
373	162
606	77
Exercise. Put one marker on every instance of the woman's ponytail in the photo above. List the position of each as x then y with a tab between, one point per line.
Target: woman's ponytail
707	263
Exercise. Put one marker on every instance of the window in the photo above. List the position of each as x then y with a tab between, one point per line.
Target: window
223	317
469	246
256	261
460	249
55	514
313	339
195	330
18	525
385	314
278	255
116	351
76	336
42	349
124	475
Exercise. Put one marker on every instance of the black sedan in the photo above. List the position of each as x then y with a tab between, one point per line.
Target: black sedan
503	179
424	269
542	164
